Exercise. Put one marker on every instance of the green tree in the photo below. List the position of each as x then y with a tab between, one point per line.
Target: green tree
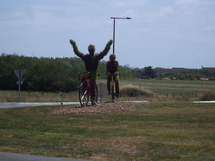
149	72
125	72
137	73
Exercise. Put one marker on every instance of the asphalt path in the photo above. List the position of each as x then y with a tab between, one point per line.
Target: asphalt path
23	157
30	104
33	104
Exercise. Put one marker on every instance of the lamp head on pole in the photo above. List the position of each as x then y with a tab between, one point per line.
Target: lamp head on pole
128	18
121	18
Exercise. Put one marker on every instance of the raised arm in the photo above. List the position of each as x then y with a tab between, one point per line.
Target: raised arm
75	48
107	48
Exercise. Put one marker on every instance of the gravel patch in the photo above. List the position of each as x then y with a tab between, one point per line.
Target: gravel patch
99	108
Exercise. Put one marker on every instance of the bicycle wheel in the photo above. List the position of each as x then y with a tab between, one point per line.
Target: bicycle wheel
83	95
112	92
96	98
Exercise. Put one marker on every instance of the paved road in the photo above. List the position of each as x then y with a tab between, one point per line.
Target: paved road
22	157
28	104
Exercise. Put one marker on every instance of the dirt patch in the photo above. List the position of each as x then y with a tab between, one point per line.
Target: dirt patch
99	108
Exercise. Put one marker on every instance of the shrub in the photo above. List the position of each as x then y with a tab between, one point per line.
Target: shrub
134	91
208	96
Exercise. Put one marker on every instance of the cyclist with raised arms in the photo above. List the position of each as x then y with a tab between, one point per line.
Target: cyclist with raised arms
91	62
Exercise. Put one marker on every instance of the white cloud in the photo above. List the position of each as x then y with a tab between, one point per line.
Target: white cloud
210	28
16	12
165	11
186	2
189	7
128	3
156	27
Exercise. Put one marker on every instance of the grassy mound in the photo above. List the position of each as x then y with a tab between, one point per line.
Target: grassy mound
134	91
208	96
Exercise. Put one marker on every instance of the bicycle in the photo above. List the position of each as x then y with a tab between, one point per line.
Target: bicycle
84	89
112	87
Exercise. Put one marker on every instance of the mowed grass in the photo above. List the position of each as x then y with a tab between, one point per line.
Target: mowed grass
172	86
154	131
179	89
183	90
35	96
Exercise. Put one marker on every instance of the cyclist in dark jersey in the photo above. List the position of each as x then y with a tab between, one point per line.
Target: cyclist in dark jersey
112	69
91	62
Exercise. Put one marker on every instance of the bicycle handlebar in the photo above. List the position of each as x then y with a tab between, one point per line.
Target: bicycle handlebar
83	73
112	74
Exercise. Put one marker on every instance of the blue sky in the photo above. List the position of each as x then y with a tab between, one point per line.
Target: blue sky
170	33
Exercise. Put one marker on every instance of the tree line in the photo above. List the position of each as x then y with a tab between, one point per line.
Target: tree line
47	74
192	74
61	74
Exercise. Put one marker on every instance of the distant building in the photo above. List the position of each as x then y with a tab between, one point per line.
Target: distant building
160	70
210	68
170	71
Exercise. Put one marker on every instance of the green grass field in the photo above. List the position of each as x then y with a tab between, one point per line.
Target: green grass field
172	86
154	131
179	89
176	89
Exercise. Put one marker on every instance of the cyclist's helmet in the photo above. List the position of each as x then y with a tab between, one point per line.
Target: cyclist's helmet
112	57
91	49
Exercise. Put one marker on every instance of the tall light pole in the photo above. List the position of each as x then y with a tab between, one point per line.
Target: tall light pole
114	29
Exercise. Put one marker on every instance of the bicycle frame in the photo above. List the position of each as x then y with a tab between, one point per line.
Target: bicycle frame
84	89
85	82
112	88
112	83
